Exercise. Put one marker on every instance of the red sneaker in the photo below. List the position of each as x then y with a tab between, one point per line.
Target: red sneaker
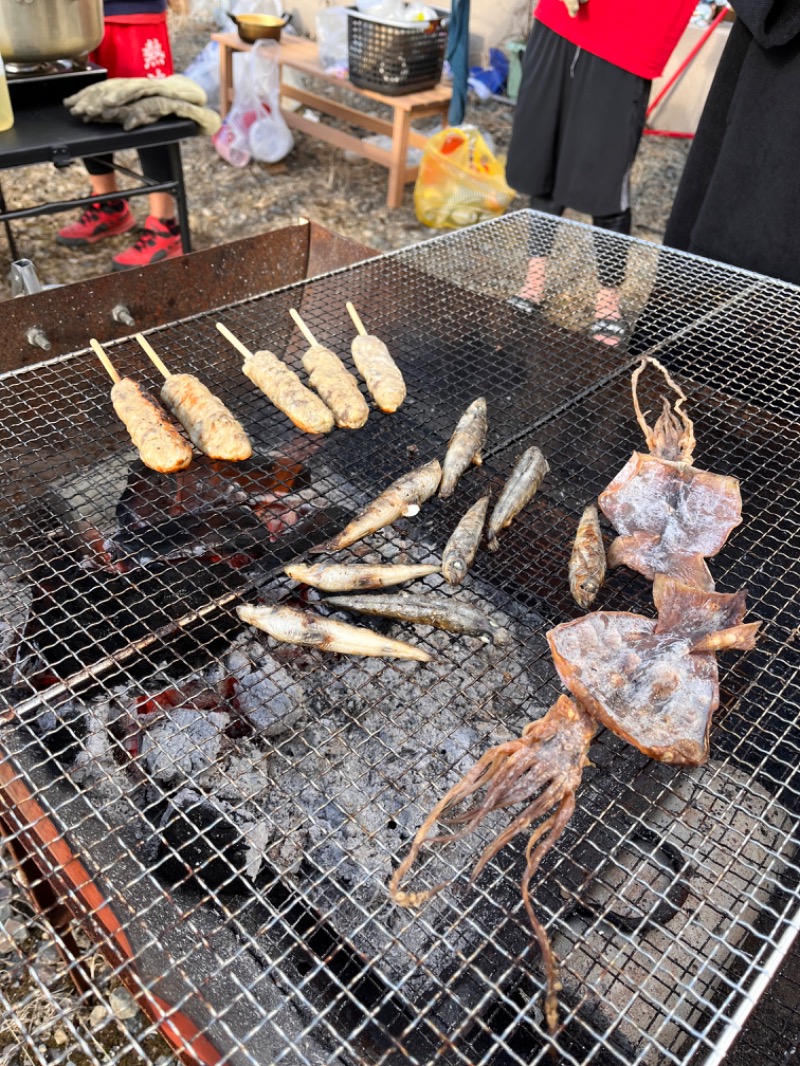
96	223
158	240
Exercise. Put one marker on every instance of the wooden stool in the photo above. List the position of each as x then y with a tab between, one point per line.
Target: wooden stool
297	53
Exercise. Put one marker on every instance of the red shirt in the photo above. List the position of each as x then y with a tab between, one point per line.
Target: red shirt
637	35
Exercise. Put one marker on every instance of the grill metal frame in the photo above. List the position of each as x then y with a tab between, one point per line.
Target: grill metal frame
287	979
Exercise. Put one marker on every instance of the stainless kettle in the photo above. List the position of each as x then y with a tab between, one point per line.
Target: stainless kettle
37	31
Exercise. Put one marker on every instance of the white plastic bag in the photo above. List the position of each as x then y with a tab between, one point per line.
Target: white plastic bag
331	27
270	138
204	70
254	128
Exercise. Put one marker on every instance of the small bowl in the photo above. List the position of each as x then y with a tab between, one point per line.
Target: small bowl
254	28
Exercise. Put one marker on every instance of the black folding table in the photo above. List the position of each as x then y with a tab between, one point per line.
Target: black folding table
48	133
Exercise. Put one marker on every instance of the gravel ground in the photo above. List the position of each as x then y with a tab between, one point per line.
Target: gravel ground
42	1019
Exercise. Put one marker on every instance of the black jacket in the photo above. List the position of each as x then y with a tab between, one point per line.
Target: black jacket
739	197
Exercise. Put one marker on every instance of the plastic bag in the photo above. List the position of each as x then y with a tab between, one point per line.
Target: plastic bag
331	28
460	180
204	70
254	128
270	138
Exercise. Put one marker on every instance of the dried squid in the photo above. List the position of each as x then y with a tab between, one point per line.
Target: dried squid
655	683
543	770
669	515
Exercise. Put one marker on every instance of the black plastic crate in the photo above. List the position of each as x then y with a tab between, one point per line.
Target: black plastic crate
395	58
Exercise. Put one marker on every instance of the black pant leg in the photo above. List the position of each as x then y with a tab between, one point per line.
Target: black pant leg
99	164
539	244
611	265
155	163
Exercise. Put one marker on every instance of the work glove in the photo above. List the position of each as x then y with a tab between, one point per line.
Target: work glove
573	6
152	108
115	92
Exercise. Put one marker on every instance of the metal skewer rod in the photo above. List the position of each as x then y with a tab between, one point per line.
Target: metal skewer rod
309	336
147	346
356	319
226	333
101	355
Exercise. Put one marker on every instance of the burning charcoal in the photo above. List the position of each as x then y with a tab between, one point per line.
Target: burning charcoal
199	842
184	742
267	696
150	499
78	617
61	729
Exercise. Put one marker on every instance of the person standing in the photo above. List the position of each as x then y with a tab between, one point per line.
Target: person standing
135	45
580	114
737	200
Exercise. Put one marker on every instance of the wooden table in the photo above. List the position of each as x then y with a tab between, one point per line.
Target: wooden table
300	54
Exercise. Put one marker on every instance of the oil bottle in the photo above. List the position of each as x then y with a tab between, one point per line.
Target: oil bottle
6	112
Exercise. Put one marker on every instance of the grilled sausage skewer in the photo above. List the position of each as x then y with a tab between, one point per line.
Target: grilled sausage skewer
210	425
282	387
376	366
333	381
160	445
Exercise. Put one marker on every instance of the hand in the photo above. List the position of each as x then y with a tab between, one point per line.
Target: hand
573	6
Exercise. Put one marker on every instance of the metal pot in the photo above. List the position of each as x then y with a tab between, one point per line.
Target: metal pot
37	31
256	27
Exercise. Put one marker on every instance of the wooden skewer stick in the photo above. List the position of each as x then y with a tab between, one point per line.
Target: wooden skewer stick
356	319
145	343
101	355
226	333
309	336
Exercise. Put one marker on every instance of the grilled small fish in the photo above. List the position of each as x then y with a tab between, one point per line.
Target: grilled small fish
292	626
526	477
441	612
403	497
328	376
462	547
465	445
347	577
587	564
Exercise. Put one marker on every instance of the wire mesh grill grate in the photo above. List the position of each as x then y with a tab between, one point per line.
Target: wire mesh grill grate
222	815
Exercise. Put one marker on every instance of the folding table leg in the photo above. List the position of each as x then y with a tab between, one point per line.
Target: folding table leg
12	244
176	169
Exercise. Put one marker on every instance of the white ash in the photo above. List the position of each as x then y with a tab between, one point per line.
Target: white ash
267	696
340	761
384	741
183	743
16	597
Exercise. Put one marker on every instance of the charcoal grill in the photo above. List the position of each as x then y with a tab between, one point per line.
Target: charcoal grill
229	856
